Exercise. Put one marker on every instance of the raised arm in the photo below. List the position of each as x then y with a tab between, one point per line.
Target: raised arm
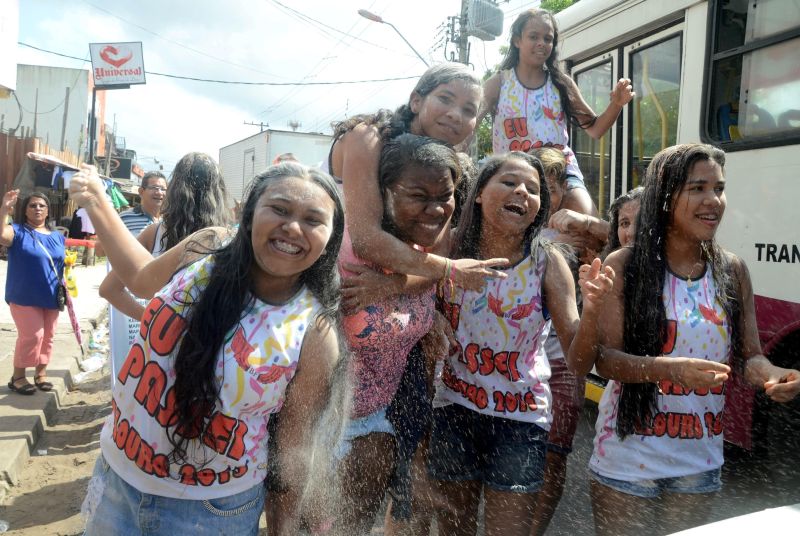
780	384
6	231
621	94
133	264
615	364
306	398
113	290
355	159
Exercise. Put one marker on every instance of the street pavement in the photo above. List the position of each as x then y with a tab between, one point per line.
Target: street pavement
22	418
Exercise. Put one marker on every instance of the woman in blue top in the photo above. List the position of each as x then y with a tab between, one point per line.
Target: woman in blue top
35	268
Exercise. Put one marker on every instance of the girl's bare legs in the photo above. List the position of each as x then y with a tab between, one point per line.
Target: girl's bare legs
681	511
547	499
508	513
459	516
365	477
425	500
621	514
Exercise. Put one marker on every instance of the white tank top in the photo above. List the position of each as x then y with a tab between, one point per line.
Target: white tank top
528	118
256	363
499	367
685	436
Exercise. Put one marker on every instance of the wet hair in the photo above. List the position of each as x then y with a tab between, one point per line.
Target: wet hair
553	161
228	296
613	244
559	78
151	175
412	150
468	234
645	319
469	174
22	208
392	124
195	199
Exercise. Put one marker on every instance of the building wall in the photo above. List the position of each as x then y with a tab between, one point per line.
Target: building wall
235	170
310	149
43	113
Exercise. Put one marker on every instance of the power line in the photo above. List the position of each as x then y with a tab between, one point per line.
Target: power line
236	82
177	43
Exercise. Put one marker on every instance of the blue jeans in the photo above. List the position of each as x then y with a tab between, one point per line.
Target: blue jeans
706	482
114	507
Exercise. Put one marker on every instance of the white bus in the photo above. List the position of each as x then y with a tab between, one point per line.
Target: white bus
725	72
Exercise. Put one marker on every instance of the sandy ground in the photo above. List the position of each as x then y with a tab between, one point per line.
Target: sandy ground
53	484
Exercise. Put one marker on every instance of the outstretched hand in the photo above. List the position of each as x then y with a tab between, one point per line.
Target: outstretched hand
86	188
471	274
695	373
783	384
596	282
623	92
10	200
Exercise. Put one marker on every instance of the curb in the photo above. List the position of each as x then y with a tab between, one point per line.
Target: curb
23	418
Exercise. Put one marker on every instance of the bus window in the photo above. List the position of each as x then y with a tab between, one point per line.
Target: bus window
655	73
755	76
594	156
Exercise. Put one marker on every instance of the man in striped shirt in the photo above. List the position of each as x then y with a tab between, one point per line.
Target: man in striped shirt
152	193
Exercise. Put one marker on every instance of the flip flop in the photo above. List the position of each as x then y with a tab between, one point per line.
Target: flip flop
26	389
43	385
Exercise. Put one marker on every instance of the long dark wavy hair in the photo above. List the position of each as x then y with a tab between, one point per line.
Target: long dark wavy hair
468	234
511	60
645	323
613	243
391	124
195	199
228	296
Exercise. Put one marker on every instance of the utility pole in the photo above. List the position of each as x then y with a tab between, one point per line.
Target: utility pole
462	39
260	124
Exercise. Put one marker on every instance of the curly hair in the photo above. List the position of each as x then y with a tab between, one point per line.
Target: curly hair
645	319
195	199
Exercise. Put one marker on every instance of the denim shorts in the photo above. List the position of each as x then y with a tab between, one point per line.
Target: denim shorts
504	454
112	506
705	482
375	422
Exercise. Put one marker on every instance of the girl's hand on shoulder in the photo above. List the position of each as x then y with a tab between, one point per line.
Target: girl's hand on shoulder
471	274
695	373
10	200
569	221
596	283
86	188
365	287
622	93
783	384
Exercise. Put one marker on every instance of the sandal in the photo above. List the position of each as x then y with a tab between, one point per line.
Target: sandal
26	389
43	385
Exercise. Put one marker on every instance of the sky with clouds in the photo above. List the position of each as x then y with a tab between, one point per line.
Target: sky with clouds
247	40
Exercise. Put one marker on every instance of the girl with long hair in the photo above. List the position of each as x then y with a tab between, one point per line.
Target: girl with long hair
489	436
417	179
195	200
680	317
444	106
246	327
622	215
533	102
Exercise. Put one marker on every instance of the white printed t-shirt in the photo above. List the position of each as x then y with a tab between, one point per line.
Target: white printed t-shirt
499	367
685	436
256	363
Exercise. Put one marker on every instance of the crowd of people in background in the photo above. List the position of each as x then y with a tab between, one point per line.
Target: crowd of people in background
406	324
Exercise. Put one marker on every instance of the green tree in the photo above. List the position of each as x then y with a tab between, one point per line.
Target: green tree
554	6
